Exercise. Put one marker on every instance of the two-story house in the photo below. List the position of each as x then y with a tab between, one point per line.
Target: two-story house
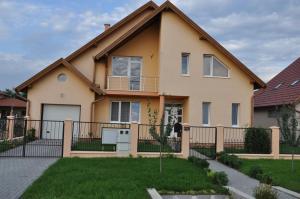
156	54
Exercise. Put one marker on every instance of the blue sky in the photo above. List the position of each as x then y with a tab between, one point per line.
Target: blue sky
265	35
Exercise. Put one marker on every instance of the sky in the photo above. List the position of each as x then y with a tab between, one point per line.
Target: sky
264	35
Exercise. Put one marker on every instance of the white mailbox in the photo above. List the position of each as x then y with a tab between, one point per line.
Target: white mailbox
109	136
123	140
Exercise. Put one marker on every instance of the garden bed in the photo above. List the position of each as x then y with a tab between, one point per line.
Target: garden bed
120	178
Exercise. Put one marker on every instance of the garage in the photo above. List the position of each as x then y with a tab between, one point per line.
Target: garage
57	113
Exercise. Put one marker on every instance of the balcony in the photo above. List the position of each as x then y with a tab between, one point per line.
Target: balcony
133	83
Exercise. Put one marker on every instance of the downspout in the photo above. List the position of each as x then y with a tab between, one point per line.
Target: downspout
28	107
252	110
93	108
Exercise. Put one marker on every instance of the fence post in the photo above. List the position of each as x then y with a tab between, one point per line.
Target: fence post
275	141
10	126
134	130
219	138
185	141
67	137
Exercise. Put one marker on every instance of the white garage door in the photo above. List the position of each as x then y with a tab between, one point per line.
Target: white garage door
52	130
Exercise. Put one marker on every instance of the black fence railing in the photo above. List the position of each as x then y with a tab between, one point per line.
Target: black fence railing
287	147
150	140
95	136
247	140
203	142
3	129
34	138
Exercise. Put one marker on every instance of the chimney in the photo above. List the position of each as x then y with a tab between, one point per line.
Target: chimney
106	26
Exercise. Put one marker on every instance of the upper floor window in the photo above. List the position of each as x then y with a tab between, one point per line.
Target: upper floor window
235	114
185	63
126	66
206	113
212	67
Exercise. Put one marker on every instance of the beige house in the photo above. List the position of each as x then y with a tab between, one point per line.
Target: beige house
156	54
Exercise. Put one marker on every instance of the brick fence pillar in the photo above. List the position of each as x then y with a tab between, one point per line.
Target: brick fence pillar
219	138
10	127
275	141
67	138
185	141
134	130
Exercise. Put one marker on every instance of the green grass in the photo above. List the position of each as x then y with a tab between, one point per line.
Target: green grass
6	145
209	152
280	170
92	145
118	178
151	147
286	149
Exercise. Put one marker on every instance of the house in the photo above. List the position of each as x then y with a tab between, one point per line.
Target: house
155	55
284	88
12	106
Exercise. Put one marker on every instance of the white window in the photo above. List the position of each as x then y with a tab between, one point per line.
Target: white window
185	63
213	67
206	113
125	112
235	114
128	67
295	82
278	85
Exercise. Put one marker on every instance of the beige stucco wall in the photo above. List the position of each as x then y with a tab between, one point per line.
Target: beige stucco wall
176	36
49	90
261	118
85	62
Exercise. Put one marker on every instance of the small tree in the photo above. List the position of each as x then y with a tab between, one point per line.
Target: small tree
164	130
286	119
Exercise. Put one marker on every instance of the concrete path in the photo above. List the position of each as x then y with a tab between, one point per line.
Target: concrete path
16	174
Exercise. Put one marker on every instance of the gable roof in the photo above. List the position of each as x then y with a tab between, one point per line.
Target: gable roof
12	102
56	64
285	93
169	6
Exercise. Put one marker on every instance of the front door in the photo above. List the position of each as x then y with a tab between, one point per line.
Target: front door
173	114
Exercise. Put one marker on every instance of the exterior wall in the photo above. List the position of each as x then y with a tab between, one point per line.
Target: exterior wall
144	45
262	119
176	37
102	108
85	62
49	90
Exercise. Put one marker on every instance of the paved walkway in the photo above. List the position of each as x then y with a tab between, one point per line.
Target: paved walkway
16	174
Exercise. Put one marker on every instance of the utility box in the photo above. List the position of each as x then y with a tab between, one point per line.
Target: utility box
120	137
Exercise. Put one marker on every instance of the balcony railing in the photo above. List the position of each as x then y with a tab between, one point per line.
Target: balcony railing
133	83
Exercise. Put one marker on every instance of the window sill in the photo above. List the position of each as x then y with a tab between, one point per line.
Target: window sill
235	126
185	75
207	76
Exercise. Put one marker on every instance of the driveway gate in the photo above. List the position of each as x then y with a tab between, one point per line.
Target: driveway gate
32	138
203	142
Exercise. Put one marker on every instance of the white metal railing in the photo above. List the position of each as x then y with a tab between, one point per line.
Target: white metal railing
133	83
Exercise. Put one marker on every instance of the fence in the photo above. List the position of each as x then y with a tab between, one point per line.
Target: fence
150	140
3	129
288	148
203	141
247	140
88	136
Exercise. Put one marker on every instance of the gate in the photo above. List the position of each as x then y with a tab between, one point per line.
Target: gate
32	138
203	142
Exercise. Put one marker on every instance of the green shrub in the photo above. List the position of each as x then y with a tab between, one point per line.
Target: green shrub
257	140
265	192
30	135
199	162
255	171
219	178
230	160
265	178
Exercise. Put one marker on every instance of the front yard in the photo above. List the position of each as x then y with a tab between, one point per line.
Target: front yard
119	178
280	170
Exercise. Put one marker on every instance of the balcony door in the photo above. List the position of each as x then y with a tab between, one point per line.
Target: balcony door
129	68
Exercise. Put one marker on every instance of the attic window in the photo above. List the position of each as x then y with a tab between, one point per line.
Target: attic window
276	87
61	77
295	82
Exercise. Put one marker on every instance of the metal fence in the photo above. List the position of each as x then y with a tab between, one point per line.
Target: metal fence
290	148
40	138
150	140
3	129
203	142
245	140
88	136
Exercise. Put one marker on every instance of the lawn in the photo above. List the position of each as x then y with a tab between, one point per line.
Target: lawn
92	145
118	178
280	170
146	146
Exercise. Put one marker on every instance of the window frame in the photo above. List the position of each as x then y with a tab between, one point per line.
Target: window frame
238	115
211	67
119	111
128	66
188	64
208	112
